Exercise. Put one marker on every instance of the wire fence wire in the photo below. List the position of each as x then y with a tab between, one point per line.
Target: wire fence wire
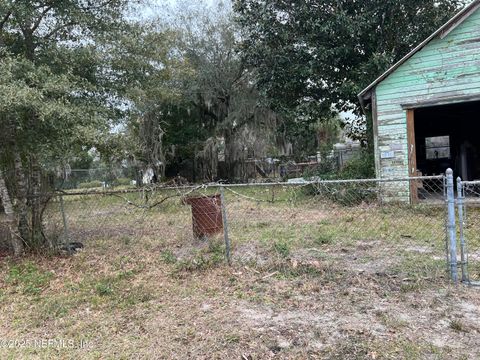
365	226
469	231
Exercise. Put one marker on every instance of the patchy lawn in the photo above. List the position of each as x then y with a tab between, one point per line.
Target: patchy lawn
143	288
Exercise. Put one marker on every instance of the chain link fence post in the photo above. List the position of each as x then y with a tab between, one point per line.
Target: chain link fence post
445	216
64	220
451	226
225	225
461	224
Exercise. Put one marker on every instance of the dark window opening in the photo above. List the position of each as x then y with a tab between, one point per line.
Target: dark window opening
437	147
449	136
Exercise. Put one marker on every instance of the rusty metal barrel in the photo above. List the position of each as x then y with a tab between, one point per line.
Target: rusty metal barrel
206	215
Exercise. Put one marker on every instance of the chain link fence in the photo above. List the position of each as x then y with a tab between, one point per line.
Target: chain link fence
366	226
96	178
468	200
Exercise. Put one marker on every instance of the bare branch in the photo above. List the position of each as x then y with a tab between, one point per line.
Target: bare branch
149	207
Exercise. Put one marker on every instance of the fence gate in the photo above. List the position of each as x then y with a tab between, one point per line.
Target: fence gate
468	210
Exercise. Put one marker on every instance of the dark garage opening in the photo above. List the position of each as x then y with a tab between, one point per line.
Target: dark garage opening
449	136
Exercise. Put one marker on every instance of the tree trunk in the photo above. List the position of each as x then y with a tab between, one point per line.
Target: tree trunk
233	160
15	237
21	198
36	203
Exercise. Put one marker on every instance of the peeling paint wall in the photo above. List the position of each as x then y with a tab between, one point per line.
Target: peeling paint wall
444	69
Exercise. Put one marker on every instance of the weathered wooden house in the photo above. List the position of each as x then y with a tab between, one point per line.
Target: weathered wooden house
426	108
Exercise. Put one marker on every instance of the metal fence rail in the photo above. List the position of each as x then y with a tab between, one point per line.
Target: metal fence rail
368	226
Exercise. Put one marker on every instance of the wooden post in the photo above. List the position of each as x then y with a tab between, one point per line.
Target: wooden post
412	155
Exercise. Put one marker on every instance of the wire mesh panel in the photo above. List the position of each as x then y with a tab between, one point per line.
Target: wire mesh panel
471	229
369	225
126	215
393	228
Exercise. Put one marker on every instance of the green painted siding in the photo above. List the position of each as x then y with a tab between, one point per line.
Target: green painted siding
444	68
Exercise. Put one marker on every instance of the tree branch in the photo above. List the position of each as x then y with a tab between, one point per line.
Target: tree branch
5	19
58	28
98	6
40	18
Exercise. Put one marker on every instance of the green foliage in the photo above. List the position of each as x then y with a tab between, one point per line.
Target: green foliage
218	105
345	194
282	248
311	129
57	93
43	106
168	257
361	166
122	182
326	169
104	288
52	79
151	78
82	160
90	185
324	52
323	238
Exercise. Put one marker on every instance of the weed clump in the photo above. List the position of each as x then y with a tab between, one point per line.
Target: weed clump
323	239
104	288
203	260
282	248
168	257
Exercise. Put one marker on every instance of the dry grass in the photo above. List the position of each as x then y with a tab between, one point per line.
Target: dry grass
143	288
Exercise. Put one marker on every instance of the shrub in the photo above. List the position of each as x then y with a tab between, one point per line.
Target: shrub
345	194
326	169
361	166
122	182
90	185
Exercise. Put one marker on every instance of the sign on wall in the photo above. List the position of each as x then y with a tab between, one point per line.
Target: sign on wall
387	155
